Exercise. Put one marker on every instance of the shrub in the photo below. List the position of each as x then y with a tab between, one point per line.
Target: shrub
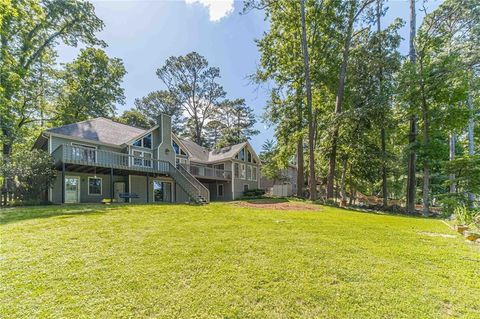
465	216
254	192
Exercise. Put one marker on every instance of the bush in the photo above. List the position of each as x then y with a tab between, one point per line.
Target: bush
465	216
254	193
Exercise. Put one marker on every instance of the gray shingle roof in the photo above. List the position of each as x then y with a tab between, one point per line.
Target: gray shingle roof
202	154
101	130
107	131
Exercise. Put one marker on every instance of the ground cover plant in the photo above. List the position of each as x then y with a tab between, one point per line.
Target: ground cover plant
228	260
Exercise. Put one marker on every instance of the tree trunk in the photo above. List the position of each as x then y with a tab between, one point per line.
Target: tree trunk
382	131
308	86
343	191
452	140
300	181
426	141
338	104
471	141
412	157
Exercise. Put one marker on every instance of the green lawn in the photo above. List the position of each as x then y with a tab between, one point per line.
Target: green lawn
225	261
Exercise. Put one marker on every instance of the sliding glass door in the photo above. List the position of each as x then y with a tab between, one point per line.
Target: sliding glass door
162	191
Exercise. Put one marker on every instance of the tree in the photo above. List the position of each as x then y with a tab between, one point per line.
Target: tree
270	166
236	121
412	157
354	10
193	85
29	32
90	87
32	172
308	87
134	118
157	102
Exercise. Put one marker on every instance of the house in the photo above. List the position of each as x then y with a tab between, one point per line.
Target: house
101	159
285	185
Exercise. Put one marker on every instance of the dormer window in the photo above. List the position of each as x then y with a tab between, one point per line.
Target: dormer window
145	141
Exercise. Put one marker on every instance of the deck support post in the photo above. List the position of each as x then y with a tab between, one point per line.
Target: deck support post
111	185
148	186
63	182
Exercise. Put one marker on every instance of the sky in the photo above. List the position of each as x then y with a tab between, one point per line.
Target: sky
145	33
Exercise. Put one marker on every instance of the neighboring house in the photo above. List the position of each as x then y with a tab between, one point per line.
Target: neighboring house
101	159
285	185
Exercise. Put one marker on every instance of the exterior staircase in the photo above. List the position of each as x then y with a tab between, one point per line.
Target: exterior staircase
189	184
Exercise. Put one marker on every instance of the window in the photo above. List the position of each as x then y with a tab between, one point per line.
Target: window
146	141
219	166
242	171
84	153
242	154
220	190
245	187
176	147
249	172
249	156
142	158
236	170
254	173
94	186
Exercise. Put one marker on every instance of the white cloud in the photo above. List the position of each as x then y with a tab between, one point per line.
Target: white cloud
217	9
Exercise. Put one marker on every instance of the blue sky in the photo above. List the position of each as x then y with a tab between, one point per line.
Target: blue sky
144	33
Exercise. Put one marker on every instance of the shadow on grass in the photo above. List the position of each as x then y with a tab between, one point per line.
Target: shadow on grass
17	214
265	201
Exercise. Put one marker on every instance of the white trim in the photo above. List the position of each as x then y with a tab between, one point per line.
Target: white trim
50	145
78	189
84	145
101	185
151	159
162	181
141	135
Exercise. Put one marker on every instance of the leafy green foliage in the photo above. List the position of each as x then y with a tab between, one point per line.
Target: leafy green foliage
134	118
90	87
157	102
193	85
30	173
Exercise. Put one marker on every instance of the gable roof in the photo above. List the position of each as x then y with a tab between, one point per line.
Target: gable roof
106	131
203	154
100	130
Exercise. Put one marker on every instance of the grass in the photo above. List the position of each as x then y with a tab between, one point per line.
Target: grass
224	261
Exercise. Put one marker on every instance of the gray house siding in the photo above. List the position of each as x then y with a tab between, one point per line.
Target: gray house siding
57	141
84	196
227	191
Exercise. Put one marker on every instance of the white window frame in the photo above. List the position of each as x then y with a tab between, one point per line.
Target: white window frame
101	185
143	158
248	187
223	190
92	147
254	176
247	168
141	141
234	171
78	189
243	171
